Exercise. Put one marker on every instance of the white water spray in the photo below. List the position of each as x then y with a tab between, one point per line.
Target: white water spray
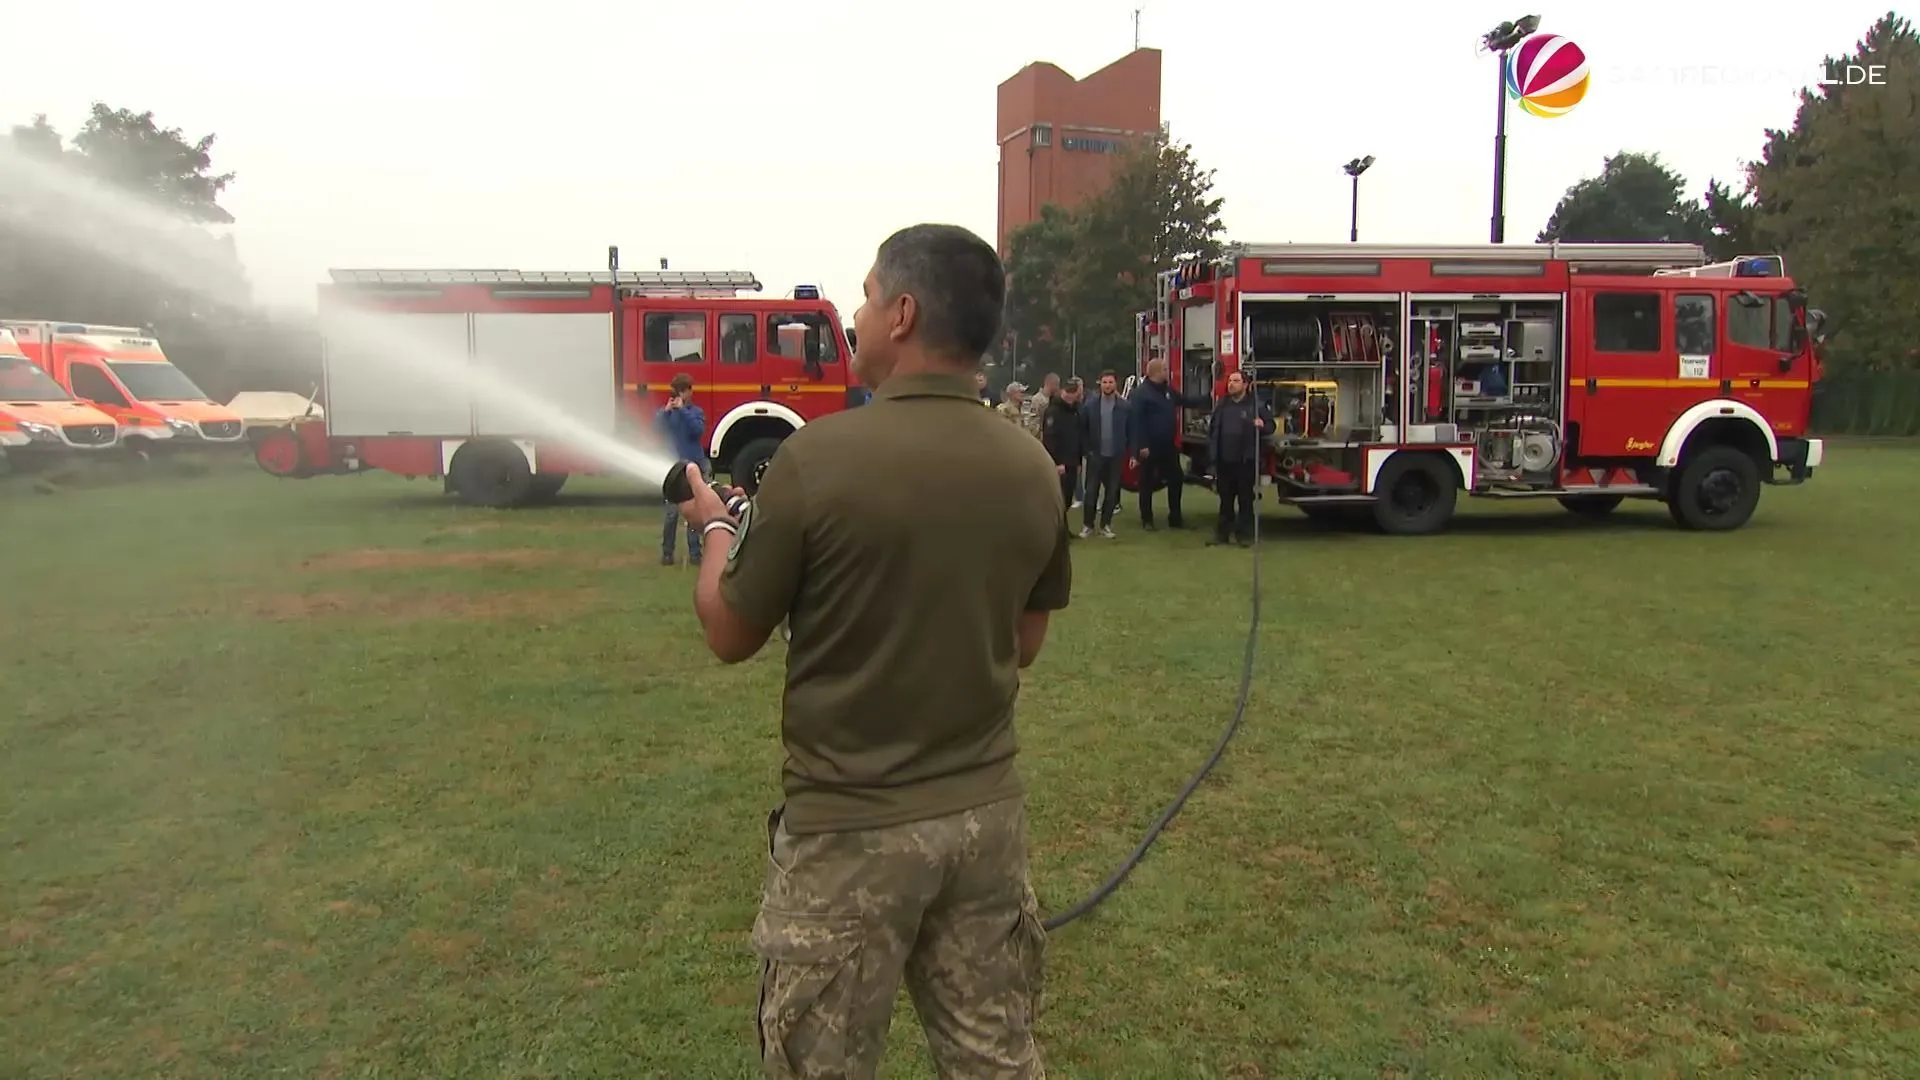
67	207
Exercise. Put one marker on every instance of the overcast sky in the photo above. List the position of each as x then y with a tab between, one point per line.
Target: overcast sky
789	139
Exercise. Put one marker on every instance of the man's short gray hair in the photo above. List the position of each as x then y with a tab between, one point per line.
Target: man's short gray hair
956	281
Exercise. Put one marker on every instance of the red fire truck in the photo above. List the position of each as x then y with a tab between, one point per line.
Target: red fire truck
416	363
1586	373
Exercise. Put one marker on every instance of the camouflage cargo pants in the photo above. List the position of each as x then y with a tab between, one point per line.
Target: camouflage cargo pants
942	905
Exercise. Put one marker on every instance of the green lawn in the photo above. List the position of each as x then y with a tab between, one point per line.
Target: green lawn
334	779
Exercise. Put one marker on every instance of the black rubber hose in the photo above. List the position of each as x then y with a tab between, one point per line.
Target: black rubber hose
1160	824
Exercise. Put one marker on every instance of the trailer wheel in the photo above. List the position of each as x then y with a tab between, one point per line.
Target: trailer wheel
279	453
546	485
1592	505
491	474
1716	490
1416	494
750	464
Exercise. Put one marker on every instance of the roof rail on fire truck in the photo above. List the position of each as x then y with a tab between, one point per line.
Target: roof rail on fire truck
1581	256
1738	266
677	281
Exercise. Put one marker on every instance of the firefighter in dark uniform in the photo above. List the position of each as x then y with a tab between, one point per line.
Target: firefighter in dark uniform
900	852
1240	424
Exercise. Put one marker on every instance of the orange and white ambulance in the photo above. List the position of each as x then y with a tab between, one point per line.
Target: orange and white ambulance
39	420
122	371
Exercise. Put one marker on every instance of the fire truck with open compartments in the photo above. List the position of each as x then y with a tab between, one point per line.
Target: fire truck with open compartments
406	350
1586	373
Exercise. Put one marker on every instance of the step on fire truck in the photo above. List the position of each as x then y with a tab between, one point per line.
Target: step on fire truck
761	369
1586	373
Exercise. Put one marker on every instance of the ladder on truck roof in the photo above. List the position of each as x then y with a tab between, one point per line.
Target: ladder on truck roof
1594	257
699	283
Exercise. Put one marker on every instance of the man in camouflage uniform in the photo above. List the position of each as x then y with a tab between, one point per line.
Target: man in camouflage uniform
900	852
1017	408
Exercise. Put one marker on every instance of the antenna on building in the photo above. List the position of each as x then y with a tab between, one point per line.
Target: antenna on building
1136	28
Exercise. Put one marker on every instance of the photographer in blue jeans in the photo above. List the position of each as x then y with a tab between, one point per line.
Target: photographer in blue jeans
684	426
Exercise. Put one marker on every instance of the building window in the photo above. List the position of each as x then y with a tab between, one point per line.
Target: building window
1043	134
1087	144
1626	322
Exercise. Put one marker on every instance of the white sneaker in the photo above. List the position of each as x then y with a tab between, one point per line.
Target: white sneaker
1077	504
1086	531
1107	531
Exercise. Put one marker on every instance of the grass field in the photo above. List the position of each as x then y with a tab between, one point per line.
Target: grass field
334	779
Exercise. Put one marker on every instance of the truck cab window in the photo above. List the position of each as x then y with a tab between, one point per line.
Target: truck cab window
1626	322
787	337
737	344
674	337
91	383
1766	325
1693	326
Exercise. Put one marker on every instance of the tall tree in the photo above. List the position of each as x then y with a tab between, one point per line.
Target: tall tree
1038	333
1839	194
171	175
1635	197
1159	210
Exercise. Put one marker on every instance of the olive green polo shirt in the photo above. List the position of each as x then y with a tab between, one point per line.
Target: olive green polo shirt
902	541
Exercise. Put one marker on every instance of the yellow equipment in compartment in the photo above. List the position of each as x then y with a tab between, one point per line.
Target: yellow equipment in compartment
1314	405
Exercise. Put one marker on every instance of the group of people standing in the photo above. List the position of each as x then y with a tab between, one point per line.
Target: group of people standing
1091	440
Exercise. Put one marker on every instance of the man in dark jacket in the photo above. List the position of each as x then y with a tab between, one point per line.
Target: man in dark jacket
1240	424
1156	436
1064	435
1109	427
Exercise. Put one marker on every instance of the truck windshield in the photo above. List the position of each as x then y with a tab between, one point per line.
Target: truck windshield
149	381
22	380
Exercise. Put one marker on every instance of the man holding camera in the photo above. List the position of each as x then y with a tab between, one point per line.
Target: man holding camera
684	425
900	852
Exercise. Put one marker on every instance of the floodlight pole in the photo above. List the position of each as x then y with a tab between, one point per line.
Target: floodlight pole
1500	40
1354	168
1500	154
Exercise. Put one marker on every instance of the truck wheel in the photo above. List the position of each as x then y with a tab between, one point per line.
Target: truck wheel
279	453
491	474
1717	489
1592	505
750	464
546	485
138	448
1416	493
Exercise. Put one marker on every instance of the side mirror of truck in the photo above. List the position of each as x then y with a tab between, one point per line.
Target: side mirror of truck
852	345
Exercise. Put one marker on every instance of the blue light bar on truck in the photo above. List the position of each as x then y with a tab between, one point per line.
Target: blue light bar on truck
1758	266
806	292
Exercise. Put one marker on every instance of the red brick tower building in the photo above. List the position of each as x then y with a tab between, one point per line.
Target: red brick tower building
1058	134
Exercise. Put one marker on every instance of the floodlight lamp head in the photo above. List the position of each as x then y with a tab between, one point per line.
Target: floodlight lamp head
1358	165
1527	25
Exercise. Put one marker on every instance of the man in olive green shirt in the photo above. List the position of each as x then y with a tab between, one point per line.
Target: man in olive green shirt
900	853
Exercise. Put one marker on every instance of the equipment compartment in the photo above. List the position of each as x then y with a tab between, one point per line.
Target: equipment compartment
1492	370
1322	365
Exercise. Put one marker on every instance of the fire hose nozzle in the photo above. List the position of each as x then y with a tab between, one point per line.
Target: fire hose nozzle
676	488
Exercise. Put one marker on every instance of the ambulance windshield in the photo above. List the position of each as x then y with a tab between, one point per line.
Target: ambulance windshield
22	380
149	381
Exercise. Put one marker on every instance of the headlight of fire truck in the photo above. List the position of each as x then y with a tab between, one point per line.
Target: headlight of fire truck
183	427
38	432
